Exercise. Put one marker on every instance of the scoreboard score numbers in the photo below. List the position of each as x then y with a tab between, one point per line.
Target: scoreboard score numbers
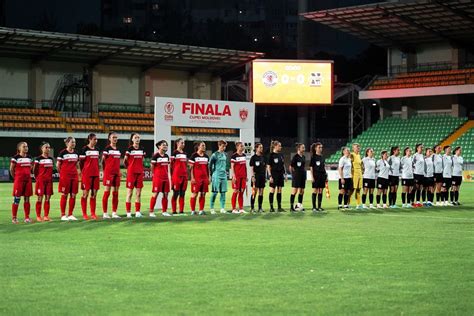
292	82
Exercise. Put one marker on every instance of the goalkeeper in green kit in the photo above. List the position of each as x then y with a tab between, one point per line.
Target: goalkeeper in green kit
218	171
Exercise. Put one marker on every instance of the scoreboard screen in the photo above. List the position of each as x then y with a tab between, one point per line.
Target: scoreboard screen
292	82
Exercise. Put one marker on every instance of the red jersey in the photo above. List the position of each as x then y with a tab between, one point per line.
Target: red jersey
111	159
160	166
44	168
179	164
22	166
89	160
200	166
135	159
240	165
68	162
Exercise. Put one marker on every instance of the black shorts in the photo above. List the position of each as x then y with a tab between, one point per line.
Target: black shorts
447	182
382	183
429	182
368	183
259	181
419	178
278	181
320	181
298	180
408	182
348	185
456	180
393	180
438	177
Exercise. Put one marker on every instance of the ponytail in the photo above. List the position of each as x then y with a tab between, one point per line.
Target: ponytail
393	149
273	144
130	142
68	139
89	137
256	146
18	146
108	137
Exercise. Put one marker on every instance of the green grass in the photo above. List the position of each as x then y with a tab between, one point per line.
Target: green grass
390	262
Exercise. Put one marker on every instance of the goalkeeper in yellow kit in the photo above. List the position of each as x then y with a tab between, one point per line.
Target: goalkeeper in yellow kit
356	173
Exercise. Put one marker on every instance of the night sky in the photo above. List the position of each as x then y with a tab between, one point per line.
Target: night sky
67	13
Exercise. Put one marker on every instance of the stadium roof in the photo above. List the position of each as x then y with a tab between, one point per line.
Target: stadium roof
93	50
406	23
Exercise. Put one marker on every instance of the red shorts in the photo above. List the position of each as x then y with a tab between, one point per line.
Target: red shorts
201	185
180	183
239	184
160	185
22	187
90	183
43	188
68	185
134	180
111	180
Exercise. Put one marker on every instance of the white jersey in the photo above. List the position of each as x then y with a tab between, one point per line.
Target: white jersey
406	166
448	166
394	162
438	163
418	164
429	167
383	168
346	164
369	168
457	166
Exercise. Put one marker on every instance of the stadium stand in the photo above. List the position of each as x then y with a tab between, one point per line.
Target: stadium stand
119	107
425	79
429	130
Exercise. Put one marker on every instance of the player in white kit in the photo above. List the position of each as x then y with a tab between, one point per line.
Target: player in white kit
457	175
368	177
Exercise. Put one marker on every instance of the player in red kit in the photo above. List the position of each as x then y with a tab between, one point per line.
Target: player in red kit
199	162
160	169
67	165
179	178
134	162
111	178
43	171
20	169
238	164
89	163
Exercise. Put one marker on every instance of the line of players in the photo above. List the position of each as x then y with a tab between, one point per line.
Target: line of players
167	173
424	174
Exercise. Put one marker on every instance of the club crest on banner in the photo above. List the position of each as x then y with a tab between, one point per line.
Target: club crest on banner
243	113
169	108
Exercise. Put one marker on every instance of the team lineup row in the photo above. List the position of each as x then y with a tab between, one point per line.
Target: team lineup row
422	174
420	177
168	173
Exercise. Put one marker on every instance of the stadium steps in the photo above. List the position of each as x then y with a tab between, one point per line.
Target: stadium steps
458	133
429	130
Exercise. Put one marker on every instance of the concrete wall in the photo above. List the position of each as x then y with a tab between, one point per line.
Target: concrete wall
14	78
54	71
425	53
113	84
119	84
169	83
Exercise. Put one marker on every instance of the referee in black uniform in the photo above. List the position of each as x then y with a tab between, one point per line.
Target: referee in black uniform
318	170
277	173
258	167
298	177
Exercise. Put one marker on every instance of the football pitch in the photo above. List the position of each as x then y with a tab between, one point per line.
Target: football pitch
371	262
